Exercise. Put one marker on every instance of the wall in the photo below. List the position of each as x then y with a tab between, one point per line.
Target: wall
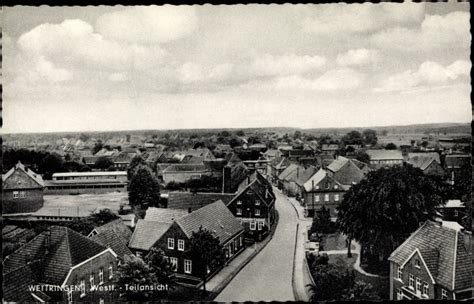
32	202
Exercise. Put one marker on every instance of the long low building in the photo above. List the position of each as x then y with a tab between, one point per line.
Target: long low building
86	182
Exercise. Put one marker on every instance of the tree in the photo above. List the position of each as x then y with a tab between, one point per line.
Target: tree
352	138
297	134
240	133
331	282
234	142
161	266
362	156
391	146
84	137
370	137
361	291
103	217
103	163
322	222
134	271
50	164
83	225
384	208
144	188
207	250
134	163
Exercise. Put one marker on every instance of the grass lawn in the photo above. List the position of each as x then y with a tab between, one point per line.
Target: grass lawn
335	241
380	284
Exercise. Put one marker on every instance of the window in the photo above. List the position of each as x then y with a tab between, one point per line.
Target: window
239	211
22	194
326	197
240	241
317	187
260	225
417	263
336	186
181	245
411	281
418	285
69	296
257	202
399	294
231	251
336	197
91	279
111	271
187	266
16	194
444	294
252	225
174	263
400	274
82	287
239	202
456	213
316	198
170	243
101	301
425	288
257	212
101	276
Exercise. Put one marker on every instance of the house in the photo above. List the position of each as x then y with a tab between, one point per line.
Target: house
254	206
190	201
329	149
429	163
297	154
384	158
173	238
435	262
182	173
323	160
302	178
453	210
456	162
22	190
115	235
87	182
259	165
57	259
122	160
322	190
276	167
347	171
222	149
271	154
290	187
281	178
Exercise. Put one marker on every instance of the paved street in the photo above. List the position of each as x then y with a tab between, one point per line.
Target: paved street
268	276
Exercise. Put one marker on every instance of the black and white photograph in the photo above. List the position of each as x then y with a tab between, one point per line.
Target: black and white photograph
236	153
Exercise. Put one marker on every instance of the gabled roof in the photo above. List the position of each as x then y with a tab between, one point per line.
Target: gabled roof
260	186
147	233
58	249
287	171
446	252
317	178
385	154
215	217
423	160
165	215
186	200
112	240
17	282
305	175
337	164
118	227
29	179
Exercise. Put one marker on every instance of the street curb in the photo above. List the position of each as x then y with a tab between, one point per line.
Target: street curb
226	282
293	285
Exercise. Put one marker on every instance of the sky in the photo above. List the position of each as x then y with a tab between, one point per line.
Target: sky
171	67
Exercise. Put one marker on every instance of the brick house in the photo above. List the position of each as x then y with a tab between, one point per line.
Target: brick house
435	262
254	206
22	190
322	190
173	237
429	163
66	264
347	171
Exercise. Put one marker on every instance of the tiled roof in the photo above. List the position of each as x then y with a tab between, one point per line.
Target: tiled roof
422	161
384	154
114	241
337	164
260	186
58	249
287	171
16	283
445	252
305	175
147	233
165	215
186	200
31	180
118	227
317	178
215	217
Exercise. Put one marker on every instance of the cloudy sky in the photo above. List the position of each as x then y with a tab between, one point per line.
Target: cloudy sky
331	65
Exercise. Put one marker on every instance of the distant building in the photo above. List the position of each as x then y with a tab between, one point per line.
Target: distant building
453	210
276	167
87	182
347	171
182	173
61	257
22	190
429	163
385	158
329	149
435	262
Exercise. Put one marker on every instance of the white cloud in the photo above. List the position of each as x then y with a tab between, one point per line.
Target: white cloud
428	74
75	42
150	24
46	70
359	18
358	57
288	64
118	77
435	32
